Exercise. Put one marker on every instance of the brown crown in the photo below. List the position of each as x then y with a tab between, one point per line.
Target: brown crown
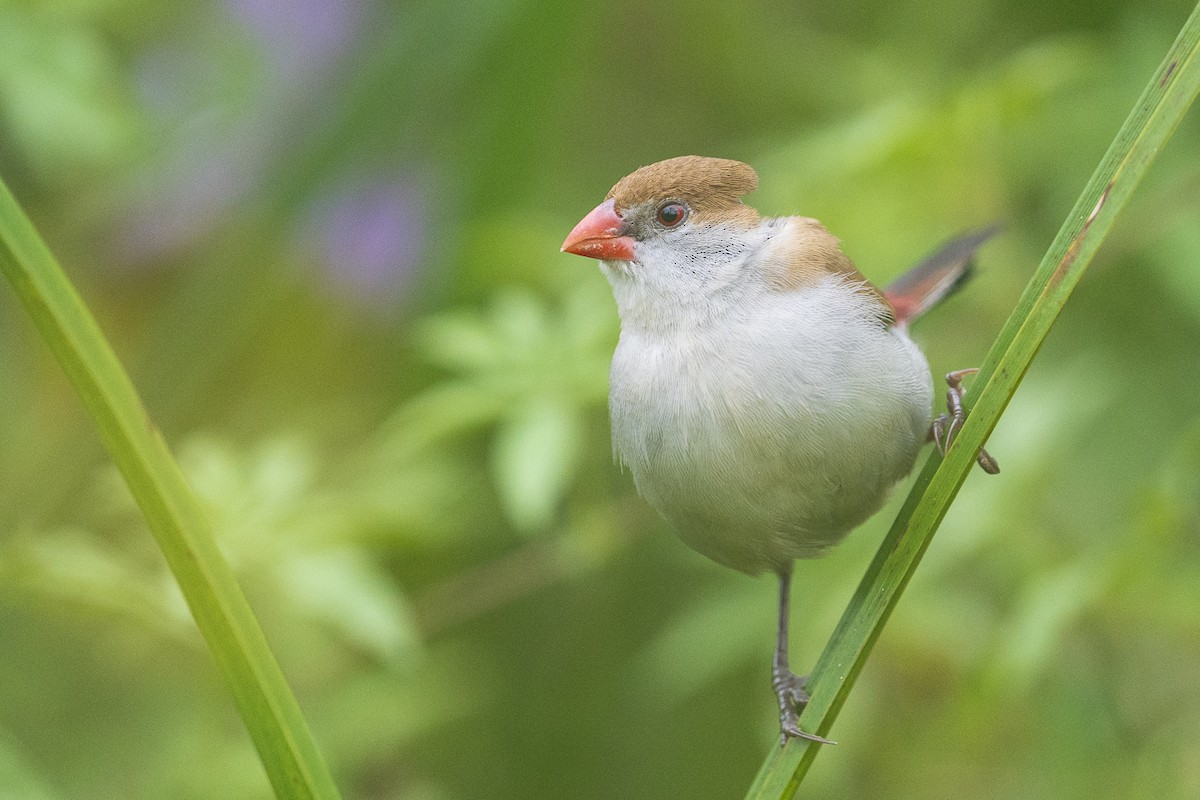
706	184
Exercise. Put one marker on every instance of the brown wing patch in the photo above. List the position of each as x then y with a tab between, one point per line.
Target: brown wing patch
806	252
711	186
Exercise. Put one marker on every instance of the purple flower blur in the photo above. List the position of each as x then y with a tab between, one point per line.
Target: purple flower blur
221	151
299	37
370	236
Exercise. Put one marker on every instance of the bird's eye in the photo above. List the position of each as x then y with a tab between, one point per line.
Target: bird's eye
671	214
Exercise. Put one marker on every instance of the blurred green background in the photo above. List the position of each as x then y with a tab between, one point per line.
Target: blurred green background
323	236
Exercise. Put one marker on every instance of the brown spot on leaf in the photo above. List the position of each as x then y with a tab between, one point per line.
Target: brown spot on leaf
1167	75
1065	264
1072	253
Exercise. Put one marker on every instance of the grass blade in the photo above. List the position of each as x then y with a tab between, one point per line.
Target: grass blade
1154	118
224	618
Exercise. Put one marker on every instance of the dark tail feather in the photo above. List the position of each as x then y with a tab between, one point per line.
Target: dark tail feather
937	277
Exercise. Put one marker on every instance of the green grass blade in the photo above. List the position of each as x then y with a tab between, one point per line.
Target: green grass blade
224	618
1158	112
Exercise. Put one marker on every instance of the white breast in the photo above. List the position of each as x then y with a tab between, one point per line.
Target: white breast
769	431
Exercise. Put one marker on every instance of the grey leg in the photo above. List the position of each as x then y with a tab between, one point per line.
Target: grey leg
790	688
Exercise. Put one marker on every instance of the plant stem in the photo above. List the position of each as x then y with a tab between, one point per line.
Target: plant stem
185	536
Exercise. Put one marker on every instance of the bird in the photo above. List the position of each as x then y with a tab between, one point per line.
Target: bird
764	395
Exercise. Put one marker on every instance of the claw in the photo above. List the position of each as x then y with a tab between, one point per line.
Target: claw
987	463
793	697
937	432
944	429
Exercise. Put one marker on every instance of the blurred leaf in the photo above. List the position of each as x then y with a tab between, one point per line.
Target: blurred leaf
441	411
19	780
354	596
520	321
535	454
700	645
62	95
1044	615
462	342
74	566
1180	246
528	369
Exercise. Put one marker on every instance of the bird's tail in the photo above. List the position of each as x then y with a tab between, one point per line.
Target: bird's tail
938	276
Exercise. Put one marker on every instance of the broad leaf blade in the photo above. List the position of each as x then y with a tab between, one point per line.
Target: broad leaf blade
221	612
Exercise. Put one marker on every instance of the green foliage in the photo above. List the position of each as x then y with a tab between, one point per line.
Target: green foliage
360	443
65	106
533	373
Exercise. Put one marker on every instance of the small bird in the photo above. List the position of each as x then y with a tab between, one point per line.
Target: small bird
764	395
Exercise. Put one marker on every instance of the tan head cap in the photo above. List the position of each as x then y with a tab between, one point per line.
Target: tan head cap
703	183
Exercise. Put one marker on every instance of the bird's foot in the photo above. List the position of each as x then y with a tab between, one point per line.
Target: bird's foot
791	690
945	427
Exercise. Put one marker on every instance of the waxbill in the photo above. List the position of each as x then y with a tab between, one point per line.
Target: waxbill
764	395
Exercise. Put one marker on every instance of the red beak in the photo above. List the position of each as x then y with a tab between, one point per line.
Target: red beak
601	234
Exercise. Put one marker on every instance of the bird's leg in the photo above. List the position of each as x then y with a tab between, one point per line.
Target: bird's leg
790	688
945	427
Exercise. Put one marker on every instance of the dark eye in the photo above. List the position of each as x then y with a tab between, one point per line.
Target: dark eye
671	214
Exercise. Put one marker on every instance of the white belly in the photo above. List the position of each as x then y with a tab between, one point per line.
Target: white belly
771	441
